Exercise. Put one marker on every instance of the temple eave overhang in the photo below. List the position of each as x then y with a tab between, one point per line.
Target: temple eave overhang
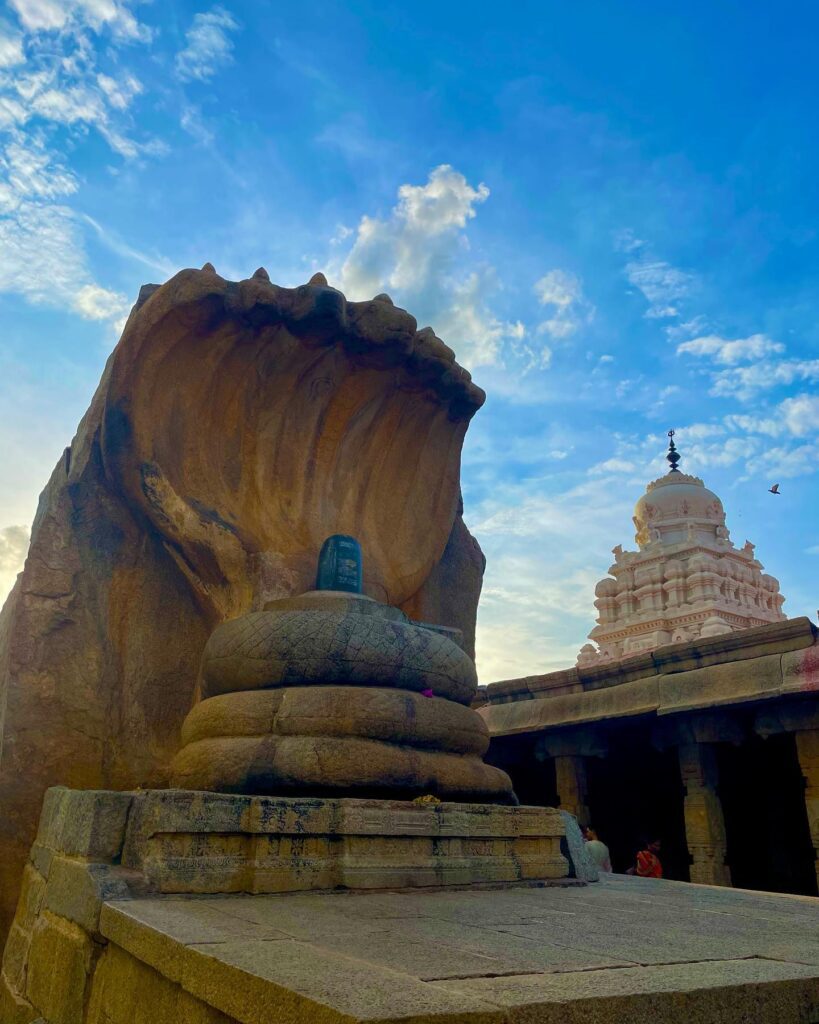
672	679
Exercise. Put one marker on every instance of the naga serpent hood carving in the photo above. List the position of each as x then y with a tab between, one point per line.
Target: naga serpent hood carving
235	427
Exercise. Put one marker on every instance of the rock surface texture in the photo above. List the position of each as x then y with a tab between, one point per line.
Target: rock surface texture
235	427
335	694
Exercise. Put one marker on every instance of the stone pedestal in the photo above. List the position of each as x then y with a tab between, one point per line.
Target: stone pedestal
93	847
807	749
336	695
704	822
571	785
184	842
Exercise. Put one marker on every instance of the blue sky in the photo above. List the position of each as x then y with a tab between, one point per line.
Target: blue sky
608	210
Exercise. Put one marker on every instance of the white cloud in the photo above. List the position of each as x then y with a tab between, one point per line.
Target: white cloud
30	172
613	465
627	241
13	548
755	424
96	303
725	352
194	124
42	258
42	248
797	416
466	317
119	93
11	48
744	382
563	292
801	414
786	462
209	46
57	15
418	239
417	253
662	285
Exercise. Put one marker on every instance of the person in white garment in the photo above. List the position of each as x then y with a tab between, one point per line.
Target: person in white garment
597	850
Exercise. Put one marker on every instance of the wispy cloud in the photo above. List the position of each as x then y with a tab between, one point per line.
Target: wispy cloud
728	353
764	371
11	47
46	107
59	15
208	45
746	382
561	293
663	285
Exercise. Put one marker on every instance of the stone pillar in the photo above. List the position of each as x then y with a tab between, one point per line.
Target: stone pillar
570	778
704	823
807	749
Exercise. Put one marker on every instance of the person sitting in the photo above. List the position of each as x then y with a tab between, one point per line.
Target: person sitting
597	850
648	863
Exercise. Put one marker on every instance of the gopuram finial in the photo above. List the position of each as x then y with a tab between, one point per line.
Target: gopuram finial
673	456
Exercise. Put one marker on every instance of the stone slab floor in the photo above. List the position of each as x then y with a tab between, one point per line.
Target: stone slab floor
623	950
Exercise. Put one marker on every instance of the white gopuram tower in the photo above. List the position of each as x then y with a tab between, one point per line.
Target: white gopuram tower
687	579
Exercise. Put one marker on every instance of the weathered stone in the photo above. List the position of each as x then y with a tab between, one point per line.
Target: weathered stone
162	519
721	684
574	849
60	962
127	991
15	1008
15	957
397	716
76	890
88	823
572	786
704	821
250	713
339	565
334	765
200	842
281	647
41	857
396	727
511	955
15	954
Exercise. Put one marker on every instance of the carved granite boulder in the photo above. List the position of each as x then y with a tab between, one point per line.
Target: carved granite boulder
334	694
235	427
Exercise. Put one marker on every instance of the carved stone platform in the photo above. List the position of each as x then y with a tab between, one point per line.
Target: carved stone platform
188	842
180	841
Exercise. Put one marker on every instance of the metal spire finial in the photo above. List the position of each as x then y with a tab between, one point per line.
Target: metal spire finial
673	456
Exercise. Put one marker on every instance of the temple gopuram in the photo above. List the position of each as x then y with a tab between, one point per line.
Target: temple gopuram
686	580
693	714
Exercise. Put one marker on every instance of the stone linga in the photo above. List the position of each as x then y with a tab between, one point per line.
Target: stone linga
334	694
236	426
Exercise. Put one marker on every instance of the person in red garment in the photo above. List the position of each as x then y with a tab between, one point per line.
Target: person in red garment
648	863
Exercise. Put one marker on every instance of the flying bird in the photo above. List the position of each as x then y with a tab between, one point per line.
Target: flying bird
775	489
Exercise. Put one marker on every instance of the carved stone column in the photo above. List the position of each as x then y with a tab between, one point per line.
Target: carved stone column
807	749
704	822
571	785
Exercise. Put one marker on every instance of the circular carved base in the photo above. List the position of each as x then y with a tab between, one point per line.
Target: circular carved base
335	766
